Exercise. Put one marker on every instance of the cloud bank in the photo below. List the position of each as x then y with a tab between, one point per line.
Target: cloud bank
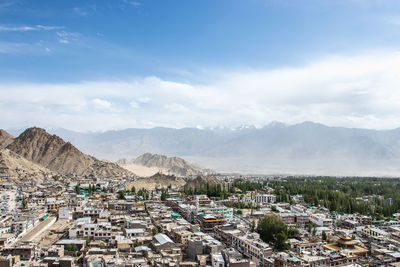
352	91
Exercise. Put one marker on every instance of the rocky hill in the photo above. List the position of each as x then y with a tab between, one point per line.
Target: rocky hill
5	138
17	168
201	180
157	180
52	152
148	164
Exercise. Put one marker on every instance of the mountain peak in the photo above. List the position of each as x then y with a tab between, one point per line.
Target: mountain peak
52	152
35	130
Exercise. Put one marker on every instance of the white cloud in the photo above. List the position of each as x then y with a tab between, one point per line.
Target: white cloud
176	107
144	99
134	104
357	91
65	37
22	48
63	41
5	28
101	104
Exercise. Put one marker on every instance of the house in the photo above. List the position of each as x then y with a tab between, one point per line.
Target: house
162	241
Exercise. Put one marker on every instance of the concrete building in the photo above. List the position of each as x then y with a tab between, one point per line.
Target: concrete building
265	198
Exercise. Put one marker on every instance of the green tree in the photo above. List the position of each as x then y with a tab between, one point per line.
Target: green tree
133	190
273	230
143	193
77	189
324	236
280	241
24	203
155	230
121	194
293	233
164	194
309	228
253	226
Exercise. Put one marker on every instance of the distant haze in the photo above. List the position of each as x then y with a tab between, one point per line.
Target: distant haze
306	148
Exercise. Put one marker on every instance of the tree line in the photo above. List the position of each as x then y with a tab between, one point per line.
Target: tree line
339	194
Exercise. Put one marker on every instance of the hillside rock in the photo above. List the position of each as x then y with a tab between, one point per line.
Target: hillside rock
201	180
52	152
148	164
19	169
5	138
157	180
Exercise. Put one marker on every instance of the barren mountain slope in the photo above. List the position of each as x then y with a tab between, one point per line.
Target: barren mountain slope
149	164
54	153
157	180
19	169
5	138
201	180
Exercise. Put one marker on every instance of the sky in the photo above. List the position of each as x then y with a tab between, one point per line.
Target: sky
113	64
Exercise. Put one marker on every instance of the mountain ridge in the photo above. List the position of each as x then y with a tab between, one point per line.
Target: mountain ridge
52	152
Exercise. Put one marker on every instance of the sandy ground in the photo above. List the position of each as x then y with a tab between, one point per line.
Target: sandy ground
143	171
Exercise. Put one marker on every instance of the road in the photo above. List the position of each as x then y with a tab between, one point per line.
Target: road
38	229
242	219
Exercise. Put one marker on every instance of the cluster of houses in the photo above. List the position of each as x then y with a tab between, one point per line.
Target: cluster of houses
88	222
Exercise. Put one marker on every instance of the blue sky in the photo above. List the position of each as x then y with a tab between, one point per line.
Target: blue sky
97	65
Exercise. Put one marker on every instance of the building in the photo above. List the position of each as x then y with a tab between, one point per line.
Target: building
64	213
265	198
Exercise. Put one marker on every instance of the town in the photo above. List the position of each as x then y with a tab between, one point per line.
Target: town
238	221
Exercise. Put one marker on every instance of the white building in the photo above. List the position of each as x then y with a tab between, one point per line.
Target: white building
321	220
375	233
100	230
136	232
64	213
265	198
217	260
19	227
91	212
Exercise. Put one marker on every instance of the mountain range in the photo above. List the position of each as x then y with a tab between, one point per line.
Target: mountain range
277	148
